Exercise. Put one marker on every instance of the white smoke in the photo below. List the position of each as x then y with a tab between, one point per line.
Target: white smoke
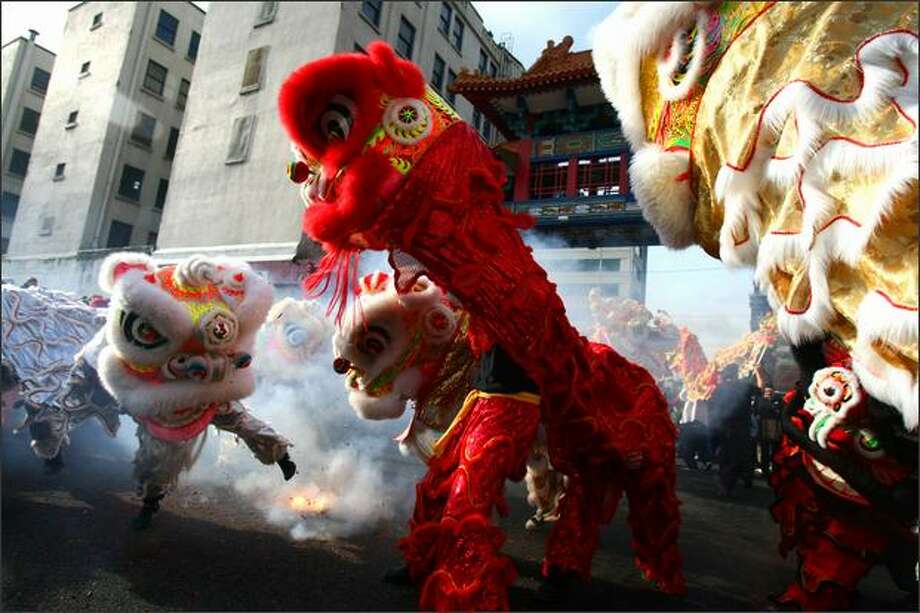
350	475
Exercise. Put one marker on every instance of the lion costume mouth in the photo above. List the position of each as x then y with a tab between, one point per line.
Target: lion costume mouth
183	424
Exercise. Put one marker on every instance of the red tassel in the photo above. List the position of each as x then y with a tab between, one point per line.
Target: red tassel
338	268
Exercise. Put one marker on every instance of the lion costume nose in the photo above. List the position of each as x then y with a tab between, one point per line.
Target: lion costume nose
341	365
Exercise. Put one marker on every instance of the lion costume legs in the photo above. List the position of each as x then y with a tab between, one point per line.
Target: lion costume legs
452	548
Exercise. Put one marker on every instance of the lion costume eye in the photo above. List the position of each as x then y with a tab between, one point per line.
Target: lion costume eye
141	332
336	121
375	341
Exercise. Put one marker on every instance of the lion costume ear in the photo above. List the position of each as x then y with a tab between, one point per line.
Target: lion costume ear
398	77
117	265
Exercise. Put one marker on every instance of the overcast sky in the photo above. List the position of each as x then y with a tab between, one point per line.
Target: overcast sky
690	285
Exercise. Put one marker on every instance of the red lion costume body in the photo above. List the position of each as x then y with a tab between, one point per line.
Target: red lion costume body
386	164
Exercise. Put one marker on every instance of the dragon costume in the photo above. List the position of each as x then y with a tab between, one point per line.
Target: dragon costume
386	164
784	136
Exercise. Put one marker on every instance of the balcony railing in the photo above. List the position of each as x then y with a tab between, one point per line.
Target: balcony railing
597	209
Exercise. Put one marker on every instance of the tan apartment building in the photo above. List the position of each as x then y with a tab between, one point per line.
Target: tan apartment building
102	159
26	72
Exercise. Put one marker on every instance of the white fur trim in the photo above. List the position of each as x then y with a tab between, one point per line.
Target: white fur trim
879	320
107	278
633	30
667	204
143	399
666	69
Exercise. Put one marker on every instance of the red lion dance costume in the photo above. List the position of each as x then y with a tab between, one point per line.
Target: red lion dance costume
386	164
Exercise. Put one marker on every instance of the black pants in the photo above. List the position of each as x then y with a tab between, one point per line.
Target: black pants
736	458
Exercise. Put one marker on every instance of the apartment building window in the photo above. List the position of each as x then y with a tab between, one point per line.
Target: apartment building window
610	264
267	11
359	49
437	72
97	21
477	119
162	188
40	80
119	234
132	181
599	176
405	40
487	130
29	121
71	120
152	239
371	9
493	69
84	69
240	139
255	67
548	179
19	162
167	27
451	96
182	97
59	171
171	144
47	228
193	43
483	61
444	20
144	126
9	206
155	78
457	34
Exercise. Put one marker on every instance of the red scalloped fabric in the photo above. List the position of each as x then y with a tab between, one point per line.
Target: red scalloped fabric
837	542
598	408
452	548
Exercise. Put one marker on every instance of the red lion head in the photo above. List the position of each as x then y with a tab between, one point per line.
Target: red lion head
358	123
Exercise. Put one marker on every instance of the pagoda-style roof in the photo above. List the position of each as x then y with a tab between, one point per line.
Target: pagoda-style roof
556	67
561	83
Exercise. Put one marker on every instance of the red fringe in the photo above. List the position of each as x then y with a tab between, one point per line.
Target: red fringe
338	268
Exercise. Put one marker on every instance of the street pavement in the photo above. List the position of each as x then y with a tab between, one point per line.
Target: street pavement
68	545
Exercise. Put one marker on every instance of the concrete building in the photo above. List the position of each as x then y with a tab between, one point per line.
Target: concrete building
230	191
27	68
102	158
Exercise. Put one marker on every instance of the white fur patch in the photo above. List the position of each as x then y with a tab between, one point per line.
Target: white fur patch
666	203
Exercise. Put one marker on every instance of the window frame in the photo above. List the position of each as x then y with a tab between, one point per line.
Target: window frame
139	135
265	17
403	24
121	184
451	97
121	224
161	192
172	143
22	119
377	6
437	77
456	34
195	38
17	154
588	181
175	32
256	86
483	62
445	30
183	96
243	155
147	77
41	91
557	171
